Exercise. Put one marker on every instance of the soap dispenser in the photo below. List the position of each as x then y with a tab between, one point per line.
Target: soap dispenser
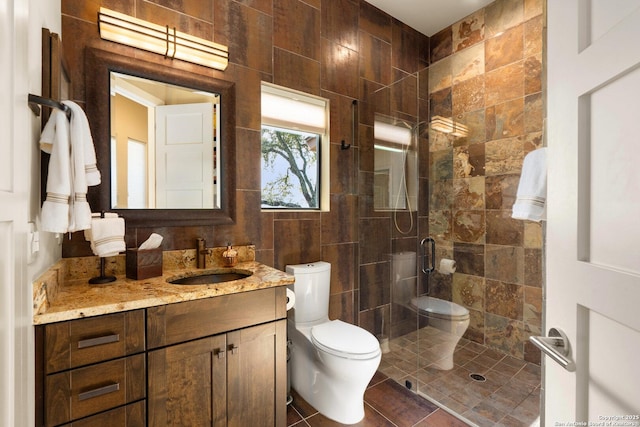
230	256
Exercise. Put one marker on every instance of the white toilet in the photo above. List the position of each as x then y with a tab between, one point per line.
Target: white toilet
448	317
331	361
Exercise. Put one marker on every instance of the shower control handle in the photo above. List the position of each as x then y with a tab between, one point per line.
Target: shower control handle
432	267
556	346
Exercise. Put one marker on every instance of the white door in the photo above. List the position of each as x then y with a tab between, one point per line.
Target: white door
593	229
184	156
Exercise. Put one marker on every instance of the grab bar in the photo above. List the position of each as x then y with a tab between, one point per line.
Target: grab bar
425	269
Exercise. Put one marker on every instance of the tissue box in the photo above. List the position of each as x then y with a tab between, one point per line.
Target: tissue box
143	264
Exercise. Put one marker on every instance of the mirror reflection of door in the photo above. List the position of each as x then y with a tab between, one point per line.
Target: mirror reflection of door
183	138
164	140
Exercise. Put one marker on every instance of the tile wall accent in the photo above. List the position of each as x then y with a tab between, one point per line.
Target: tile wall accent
487	73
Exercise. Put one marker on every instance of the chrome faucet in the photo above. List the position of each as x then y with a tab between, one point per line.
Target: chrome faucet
201	253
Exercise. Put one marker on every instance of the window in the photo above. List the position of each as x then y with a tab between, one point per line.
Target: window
295	150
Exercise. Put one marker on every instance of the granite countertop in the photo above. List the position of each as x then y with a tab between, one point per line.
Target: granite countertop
63	292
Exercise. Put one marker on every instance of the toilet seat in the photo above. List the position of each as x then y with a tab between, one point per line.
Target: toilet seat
345	340
439	308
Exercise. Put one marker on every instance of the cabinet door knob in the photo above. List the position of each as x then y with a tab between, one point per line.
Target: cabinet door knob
233	348
220	353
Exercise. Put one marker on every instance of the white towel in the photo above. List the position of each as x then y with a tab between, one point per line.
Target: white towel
84	169
532	190
72	167
106	235
55	140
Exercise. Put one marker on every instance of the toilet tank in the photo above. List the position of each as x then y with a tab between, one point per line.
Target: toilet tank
311	287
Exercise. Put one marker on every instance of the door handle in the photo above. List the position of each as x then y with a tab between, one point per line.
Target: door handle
556	346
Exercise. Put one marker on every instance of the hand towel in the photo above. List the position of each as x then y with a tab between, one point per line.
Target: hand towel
532	189
84	170
55	140
107	235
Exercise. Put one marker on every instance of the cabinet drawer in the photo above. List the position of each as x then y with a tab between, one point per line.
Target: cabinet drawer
85	391
133	415
80	342
184	321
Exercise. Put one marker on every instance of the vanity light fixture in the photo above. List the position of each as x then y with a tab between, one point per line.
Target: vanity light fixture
121	28
447	125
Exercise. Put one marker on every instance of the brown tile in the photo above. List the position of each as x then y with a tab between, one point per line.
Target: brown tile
440	226
375	59
501	15
441	194
468	291
441	44
342	306
248	148
533	112
469	226
412	44
501	190
468	63
375	289
339	65
533	74
489	412
342	258
468	193
441	75
475	123
504	156
441	165
532	314
505	120
468	95
504	84
296	72
296	28
468	31
533	267
340	22
371	418
403	97
194	18
253	48
504	49
504	299
533	35
295	242
375	22
301	405
440	102
334	228
505	263
469	258
507	335
406	410
469	161
248	111
375	240
502	229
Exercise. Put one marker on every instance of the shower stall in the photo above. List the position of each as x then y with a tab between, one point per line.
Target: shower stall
436	182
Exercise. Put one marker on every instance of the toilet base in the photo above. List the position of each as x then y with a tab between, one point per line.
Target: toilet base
333	386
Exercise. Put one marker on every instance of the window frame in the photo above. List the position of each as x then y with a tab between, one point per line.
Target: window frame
323	149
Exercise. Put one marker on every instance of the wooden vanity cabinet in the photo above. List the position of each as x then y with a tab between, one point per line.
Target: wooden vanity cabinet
89	366
231	372
217	361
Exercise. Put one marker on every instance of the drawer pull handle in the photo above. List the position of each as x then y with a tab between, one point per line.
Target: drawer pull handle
99	391
233	348
92	342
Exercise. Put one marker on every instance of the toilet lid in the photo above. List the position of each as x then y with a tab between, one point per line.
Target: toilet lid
345	340
439	307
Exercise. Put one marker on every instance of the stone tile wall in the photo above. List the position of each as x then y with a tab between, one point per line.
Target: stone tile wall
487	74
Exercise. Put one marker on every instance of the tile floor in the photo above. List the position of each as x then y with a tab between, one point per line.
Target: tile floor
387	403
509	396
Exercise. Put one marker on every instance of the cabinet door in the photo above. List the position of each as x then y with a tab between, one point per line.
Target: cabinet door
187	384
256	367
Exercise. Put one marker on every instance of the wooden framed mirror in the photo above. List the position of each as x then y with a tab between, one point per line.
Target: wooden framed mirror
103	69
